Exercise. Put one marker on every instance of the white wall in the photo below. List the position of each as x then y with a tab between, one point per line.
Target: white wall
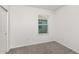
24	26
67	27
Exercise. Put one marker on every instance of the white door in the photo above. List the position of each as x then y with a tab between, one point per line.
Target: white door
3	30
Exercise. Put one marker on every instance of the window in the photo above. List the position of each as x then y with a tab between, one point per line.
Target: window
42	25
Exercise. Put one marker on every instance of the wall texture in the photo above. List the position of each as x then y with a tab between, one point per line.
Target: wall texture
67	27
24	26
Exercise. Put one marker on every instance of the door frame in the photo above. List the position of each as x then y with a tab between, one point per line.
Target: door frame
7	27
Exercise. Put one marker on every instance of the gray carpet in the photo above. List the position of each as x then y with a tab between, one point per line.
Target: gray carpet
43	48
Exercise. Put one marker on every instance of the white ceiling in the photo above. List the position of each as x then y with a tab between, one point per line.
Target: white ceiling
49	7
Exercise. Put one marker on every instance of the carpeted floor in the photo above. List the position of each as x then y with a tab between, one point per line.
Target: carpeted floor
43	48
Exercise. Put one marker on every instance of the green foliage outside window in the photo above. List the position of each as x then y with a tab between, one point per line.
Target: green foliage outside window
42	26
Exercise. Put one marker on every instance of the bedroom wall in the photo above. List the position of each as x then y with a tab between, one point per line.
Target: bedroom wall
24	26
67	27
